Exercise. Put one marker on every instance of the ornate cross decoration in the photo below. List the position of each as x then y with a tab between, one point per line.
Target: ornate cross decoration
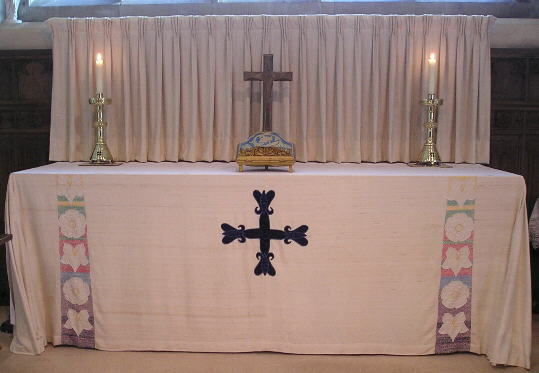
268	76
264	233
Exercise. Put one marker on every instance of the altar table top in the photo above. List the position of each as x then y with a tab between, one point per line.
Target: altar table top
332	258
300	169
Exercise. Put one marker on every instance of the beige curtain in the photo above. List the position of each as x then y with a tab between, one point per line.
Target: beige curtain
178	93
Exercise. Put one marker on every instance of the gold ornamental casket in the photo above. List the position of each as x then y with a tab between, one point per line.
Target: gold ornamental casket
266	149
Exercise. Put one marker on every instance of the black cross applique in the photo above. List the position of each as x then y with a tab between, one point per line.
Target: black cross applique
264	233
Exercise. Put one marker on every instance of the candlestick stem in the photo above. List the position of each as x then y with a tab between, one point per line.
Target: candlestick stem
101	153
429	155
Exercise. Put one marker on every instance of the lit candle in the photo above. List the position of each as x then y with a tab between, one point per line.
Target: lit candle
99	73
432	71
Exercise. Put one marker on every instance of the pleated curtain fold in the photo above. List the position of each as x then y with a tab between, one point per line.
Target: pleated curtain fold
178	92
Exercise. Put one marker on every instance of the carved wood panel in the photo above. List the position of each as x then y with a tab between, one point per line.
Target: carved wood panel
533	80
508	79
25	95
532	165
532	176
505	152
507	120
532	120
515	125
6	75
515	112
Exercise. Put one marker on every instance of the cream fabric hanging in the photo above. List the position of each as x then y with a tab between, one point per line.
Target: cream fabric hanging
178	92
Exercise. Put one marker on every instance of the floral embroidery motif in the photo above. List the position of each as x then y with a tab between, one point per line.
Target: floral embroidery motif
78	321
461	189
457	259
453	325
72	223
70	187
76	291
455	294
453	331
74	256
458	227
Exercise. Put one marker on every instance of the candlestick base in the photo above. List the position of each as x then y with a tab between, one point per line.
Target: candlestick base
101	154
439	165
429	156
101	164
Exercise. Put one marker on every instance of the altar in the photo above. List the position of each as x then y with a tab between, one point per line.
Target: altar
366	258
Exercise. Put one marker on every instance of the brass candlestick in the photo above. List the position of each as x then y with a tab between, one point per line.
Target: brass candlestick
101	154
429	155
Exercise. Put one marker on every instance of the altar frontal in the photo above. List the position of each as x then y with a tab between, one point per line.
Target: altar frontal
332	259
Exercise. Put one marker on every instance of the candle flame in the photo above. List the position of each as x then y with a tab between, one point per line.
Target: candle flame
432	58
99	59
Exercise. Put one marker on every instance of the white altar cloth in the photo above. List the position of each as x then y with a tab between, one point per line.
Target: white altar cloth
399	260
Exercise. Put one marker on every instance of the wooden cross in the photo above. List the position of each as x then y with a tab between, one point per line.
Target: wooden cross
268	76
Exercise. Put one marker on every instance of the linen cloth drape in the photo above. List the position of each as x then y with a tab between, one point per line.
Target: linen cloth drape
178	93
370	280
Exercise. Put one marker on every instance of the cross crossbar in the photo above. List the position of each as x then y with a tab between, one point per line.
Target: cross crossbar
268	76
